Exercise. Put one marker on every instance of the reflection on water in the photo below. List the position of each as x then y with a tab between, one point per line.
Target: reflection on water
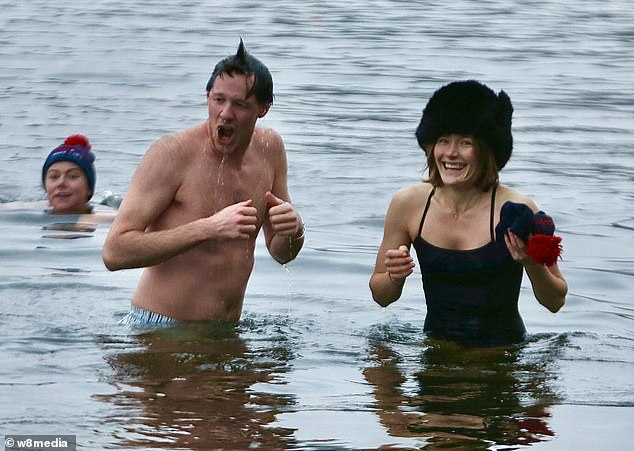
464	398
196	387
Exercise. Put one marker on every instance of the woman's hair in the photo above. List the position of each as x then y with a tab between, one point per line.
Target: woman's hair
246	64
485	174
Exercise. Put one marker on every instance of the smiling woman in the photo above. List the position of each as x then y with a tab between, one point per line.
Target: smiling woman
66	188
471	269
68	178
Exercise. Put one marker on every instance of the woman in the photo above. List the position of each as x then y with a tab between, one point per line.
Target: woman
472	270
68	178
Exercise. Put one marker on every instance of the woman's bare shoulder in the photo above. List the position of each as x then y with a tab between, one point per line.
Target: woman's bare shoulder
416	193
100	215
20	205
506	193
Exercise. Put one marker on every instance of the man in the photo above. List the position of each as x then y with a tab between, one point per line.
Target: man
198	200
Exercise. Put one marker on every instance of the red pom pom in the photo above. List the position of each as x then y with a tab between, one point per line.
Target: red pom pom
544	249
78	140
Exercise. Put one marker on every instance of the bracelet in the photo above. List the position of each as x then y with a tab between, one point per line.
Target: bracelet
301	235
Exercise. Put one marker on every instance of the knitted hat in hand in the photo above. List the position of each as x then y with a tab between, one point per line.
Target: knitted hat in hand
469	108
75	149
537	230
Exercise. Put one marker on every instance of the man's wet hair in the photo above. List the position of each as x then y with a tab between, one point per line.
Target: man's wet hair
246	64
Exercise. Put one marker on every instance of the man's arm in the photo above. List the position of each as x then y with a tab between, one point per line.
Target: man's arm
129	243
284	230
283	227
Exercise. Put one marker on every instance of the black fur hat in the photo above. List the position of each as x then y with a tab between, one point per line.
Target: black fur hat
470	108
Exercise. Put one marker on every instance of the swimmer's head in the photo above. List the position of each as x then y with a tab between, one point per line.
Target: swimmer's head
246	64
76	149
469	108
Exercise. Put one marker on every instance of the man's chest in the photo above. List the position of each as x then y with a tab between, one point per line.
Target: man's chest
206	190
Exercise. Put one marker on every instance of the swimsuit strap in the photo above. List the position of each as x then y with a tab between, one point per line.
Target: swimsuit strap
491	220
422	220
491	228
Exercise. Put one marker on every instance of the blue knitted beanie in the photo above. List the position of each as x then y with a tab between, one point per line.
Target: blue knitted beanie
75	149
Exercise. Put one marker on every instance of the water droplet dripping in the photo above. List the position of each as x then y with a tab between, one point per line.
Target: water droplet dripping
221	180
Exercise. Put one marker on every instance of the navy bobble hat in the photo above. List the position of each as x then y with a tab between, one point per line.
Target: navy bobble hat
76	149
469	108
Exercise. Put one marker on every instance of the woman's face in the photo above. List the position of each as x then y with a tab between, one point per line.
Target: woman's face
67	188
456	158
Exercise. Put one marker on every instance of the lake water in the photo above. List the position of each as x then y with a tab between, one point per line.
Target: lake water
315	363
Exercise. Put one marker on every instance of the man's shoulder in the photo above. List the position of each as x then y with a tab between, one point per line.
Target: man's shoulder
184	137
267	137
182	142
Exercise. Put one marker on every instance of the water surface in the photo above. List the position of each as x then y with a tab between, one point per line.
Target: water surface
315	364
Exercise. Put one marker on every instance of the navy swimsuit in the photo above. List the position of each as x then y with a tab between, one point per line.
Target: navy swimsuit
471	295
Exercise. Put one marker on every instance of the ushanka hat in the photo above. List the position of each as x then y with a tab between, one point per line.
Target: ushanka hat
76	149
469	108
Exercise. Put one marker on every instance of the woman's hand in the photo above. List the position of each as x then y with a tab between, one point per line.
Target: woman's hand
517	247
399	264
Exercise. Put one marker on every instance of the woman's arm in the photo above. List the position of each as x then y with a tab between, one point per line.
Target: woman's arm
393	261
549	286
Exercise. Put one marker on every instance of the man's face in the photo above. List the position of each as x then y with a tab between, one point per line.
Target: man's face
232	116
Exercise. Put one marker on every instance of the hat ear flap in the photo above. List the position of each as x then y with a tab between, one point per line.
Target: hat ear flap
505	137
506	109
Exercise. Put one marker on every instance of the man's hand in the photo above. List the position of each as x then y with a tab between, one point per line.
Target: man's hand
237	221
282	216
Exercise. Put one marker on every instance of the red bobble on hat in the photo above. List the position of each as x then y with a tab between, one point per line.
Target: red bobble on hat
78	140
544	249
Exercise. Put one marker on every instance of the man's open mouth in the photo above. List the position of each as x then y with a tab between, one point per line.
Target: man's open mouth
225	132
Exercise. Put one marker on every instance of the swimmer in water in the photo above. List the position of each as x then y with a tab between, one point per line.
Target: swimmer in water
471	269
198	200
68	178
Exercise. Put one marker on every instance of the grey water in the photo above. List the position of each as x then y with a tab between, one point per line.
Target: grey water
315	364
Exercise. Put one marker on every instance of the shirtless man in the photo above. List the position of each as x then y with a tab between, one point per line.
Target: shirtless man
198	199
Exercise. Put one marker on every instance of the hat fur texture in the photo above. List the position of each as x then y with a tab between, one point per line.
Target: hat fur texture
469	108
